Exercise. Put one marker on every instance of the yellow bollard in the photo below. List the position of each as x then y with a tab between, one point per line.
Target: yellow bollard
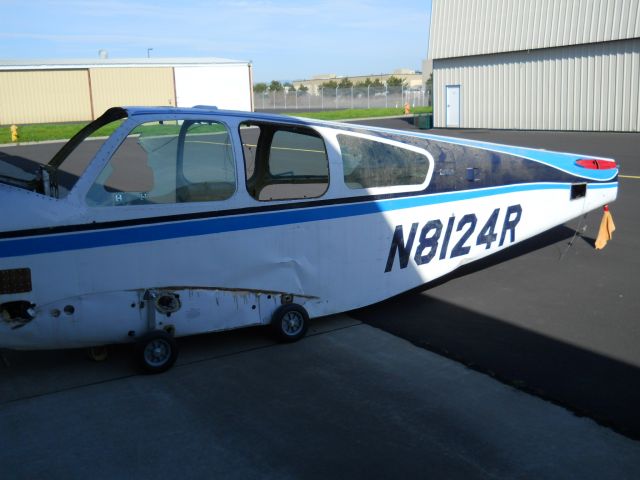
14	133
407	108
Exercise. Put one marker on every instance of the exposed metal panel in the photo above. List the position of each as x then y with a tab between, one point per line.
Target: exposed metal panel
594	87
131	86
51	96
476	27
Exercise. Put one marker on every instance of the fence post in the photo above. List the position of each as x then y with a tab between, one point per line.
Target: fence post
336	98
368	101
321	98
386	96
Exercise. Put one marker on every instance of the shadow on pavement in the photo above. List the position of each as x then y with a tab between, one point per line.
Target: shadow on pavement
587	383
542	240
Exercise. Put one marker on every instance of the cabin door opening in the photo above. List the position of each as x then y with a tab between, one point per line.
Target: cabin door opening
453	106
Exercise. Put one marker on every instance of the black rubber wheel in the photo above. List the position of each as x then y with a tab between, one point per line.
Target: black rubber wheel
290	322
98	354
156	351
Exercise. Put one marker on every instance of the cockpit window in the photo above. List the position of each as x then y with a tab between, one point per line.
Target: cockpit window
168	162
369	163
284	162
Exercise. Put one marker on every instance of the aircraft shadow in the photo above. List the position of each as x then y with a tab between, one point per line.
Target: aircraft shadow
550	237
585	382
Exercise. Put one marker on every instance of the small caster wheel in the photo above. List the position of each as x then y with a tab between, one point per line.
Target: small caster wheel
290	322
156	351
98	354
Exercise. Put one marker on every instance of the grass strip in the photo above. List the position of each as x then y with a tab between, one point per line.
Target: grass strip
54	131
353	114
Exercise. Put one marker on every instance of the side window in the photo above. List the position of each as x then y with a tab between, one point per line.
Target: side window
284	163
370	163
168	162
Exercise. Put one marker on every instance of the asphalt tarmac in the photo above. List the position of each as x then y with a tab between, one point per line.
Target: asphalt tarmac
551	316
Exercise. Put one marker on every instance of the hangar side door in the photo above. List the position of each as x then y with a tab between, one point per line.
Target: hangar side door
226	86
453	106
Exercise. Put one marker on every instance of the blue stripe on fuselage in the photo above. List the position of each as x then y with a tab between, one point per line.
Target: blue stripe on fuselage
189	228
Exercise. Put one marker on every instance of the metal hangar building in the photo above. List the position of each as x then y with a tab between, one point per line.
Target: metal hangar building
536	65
43	91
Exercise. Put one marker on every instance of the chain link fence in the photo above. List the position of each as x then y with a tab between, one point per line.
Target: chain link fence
341	98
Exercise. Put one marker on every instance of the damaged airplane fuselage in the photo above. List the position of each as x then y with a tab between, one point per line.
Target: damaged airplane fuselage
185	221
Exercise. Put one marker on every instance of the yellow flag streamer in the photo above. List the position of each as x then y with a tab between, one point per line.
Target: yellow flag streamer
607	227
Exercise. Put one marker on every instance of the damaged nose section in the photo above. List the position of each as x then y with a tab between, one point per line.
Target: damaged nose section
17	313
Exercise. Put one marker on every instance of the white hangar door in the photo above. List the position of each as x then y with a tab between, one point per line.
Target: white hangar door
224	86
453	106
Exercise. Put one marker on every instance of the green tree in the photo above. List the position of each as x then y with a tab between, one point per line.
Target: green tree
377	83
303	88
260	87
345	83
330	84
396	82
329	88
275	86
290	85
365	83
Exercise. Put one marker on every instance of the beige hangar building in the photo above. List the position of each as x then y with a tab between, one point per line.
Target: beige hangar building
49	91
536	65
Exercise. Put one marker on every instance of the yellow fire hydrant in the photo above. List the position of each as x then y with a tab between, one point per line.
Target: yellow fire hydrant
407	108
14	133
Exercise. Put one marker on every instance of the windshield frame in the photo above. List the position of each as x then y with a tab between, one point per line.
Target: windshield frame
111	115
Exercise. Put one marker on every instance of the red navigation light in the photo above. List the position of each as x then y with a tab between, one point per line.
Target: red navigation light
596	164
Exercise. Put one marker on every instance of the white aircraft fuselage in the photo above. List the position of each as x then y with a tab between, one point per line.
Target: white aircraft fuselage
200	220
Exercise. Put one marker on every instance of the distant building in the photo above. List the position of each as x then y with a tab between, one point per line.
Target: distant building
42	91
541	65
412	78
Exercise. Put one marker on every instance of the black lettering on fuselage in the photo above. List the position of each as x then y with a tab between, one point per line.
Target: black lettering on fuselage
428	241
510	223
404	250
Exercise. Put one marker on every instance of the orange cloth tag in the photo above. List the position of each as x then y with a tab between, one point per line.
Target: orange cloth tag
607	227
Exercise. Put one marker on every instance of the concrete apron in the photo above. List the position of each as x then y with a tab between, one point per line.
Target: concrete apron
347	401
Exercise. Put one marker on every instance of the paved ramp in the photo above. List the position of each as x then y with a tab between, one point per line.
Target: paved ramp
350	401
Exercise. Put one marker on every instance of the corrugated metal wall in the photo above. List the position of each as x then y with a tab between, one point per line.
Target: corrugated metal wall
45	96
131	86
583	87
475	27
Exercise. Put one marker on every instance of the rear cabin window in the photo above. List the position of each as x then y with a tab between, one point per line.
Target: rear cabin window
284	163
168	162
370	163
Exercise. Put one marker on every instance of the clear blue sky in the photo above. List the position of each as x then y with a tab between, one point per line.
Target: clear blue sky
286	39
